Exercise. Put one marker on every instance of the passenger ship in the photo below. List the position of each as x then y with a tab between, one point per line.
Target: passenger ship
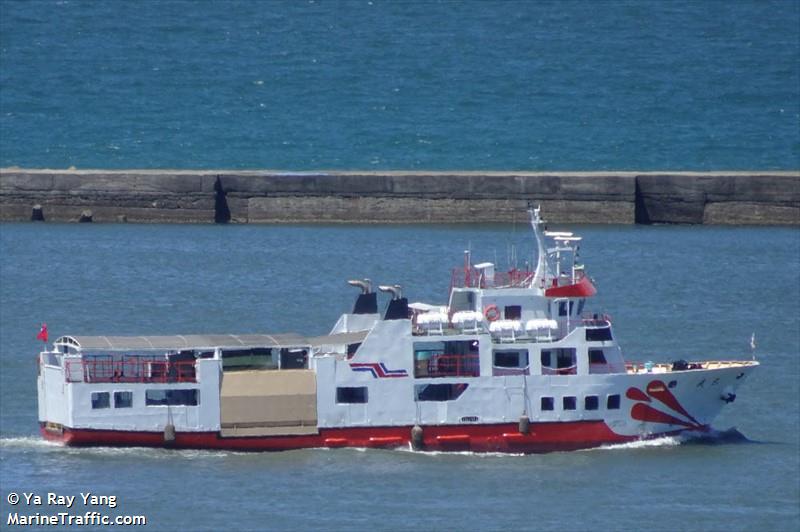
511	364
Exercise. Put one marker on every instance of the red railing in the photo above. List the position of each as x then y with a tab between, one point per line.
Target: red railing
472	278
571	370
454	366
501	372
130	370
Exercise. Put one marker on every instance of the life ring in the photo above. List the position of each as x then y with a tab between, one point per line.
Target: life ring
491	312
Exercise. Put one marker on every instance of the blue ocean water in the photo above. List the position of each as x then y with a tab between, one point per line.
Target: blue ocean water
673	292
546	85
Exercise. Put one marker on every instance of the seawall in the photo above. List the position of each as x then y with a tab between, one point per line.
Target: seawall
188	196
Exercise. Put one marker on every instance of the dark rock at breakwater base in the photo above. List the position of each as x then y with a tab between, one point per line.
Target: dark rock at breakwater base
221	196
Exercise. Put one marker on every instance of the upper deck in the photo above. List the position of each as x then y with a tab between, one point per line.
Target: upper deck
557	273
473	277
173	359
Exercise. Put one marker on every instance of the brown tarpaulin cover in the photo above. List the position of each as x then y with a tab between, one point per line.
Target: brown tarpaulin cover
268	402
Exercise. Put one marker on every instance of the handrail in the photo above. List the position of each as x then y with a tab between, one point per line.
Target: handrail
132	370
571	370
454	366
473	278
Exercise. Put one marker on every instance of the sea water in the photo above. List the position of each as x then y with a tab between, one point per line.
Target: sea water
297	85
673	293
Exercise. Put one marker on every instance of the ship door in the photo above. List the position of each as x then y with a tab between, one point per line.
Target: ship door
268	402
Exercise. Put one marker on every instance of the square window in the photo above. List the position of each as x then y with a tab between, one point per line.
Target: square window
598	335
596	356
123	399
612	403
100	400
566	360
511	359
569	403
294	358
561	361
591	402
513	312
351	395
547	403
439	392
171	397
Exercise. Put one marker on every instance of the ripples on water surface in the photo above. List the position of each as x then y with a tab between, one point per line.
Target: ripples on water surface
673	292
579	85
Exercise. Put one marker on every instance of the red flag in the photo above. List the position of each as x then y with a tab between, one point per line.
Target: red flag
42	333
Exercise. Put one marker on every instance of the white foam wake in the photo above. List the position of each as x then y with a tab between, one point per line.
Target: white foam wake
663	441
408	449
27	442
150	453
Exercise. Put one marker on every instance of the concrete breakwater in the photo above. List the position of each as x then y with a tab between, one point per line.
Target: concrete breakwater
206	196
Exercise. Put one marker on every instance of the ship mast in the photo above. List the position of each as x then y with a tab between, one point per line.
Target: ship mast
541	265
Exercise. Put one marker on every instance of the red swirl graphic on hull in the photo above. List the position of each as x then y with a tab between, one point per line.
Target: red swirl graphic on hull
659	391
676	414
635	394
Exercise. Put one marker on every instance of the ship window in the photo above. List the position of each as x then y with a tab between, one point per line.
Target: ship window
612	403
100	400
294	358
547	403
458	358
511	359
598	335
439	392
591	402
53	360
596	356
564	359
123	399
424	352
513	312
254	358
569	402
510	362
427	349
351	395
171	397
462	300
562	308
581	303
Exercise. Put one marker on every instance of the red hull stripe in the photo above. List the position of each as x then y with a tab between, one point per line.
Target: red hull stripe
542	437
583	288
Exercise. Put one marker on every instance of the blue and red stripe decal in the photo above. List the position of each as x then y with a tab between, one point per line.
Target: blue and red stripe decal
378	370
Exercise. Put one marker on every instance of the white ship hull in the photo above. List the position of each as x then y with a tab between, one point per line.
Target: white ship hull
510	364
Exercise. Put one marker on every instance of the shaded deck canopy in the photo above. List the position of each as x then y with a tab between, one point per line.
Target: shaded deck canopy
179	342
204	341
338	339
